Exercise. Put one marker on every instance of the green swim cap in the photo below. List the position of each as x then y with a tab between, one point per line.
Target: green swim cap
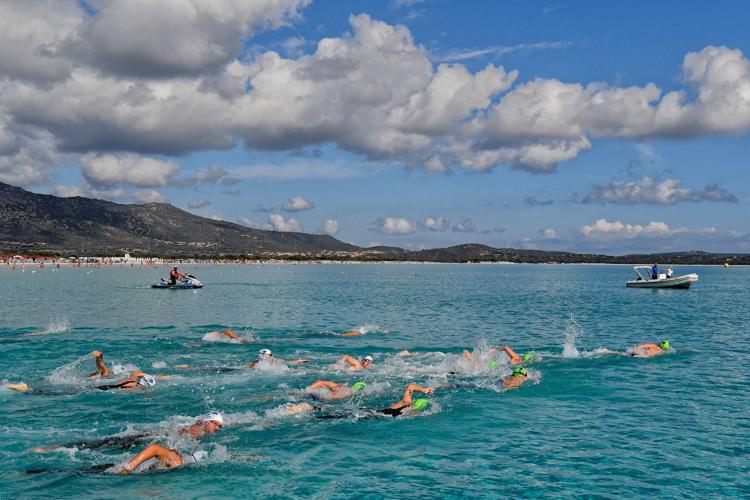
358	386
421	404
528	356
493	364
519	370
664	344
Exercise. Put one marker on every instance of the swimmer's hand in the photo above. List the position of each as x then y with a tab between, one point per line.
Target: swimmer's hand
429	390
96	354
125	468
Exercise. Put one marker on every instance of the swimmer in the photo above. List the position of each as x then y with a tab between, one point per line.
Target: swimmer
101	368
136	380
405	353
267	356
204	426
354	364
324	389
649	350
516	379
356	332
299	408
407	404
228	333
169	458
514	358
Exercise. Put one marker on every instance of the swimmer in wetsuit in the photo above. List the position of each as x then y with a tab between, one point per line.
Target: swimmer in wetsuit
136	380
649	350
407	402
167	457
267	356
516	379
514	358
354	363
101	368
210	424
326	390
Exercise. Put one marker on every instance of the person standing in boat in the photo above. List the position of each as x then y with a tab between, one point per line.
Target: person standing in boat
654	272
670	272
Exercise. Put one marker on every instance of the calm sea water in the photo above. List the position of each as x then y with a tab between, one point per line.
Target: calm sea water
586	425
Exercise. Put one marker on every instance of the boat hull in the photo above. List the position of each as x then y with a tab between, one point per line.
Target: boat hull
178	287
678	282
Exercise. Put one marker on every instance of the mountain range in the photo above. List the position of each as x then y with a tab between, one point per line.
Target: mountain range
36	223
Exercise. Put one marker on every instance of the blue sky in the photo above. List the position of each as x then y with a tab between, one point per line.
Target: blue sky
595	127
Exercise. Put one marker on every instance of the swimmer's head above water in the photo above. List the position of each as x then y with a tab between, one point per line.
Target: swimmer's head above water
421	404
358	386
520	371
265	354
213	422
146	381
367	360
664	344
528	357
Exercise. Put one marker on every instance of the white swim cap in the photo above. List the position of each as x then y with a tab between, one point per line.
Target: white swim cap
146	380
263	353
368	358
215	416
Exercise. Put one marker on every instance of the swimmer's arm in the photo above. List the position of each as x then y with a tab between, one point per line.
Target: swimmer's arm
299	361
468	356
348	359
230	334
514	358
162	377
327	384
151	451
412	388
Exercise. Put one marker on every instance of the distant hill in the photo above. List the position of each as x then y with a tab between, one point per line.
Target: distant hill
32	222
35	222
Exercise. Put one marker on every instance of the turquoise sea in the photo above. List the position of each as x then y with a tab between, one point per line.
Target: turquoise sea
586	424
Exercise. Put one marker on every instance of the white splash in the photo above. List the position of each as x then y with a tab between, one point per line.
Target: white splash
572	332
70	373
60	325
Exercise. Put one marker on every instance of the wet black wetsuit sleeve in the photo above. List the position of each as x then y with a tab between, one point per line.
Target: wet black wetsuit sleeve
110	442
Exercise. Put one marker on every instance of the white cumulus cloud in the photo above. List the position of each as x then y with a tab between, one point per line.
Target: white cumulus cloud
276	222
435	224
394	225
149	196
650	191
330	226
297	204
604	229
110	169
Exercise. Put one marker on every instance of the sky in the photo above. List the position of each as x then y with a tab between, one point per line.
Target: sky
553	125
